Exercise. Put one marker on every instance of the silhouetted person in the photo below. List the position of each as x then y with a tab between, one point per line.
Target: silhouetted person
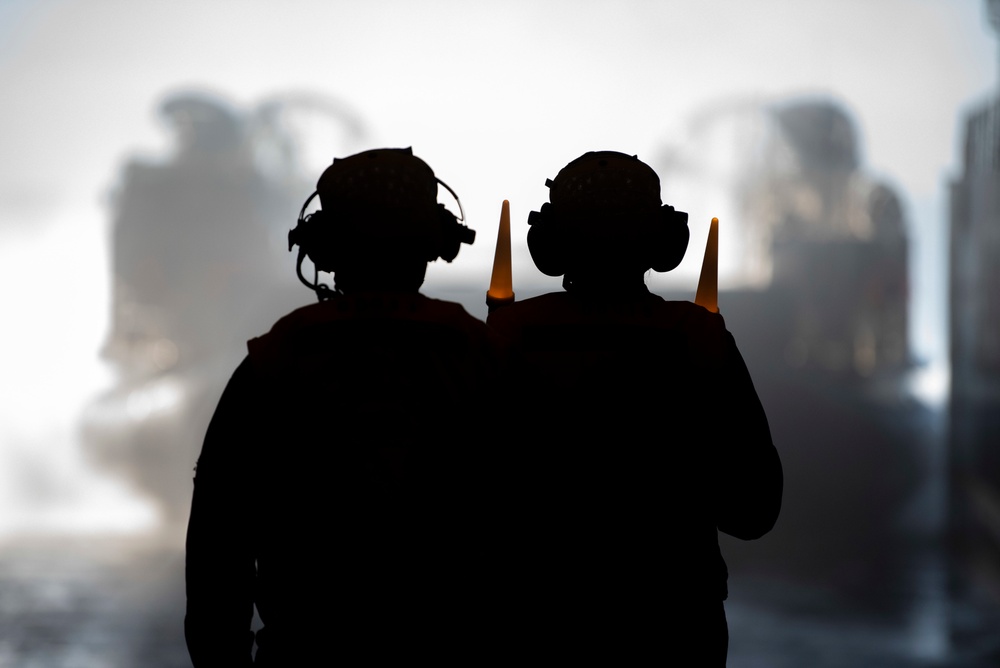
640	434
340	488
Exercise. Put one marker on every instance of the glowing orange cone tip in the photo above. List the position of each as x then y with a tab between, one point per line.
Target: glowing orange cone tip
708	285
501	284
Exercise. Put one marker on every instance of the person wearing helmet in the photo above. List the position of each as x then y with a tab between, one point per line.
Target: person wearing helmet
338	491
642	436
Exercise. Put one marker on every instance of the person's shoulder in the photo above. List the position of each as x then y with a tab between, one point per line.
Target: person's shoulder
547	307
647	308
446	310
294	321
705	332
386	306
264	351
689	315
455	315
374	311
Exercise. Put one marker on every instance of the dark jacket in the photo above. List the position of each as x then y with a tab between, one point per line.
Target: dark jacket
640	434
341	489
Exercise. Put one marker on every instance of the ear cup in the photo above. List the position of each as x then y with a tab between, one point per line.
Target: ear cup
315	237
453	235
669	237
546	242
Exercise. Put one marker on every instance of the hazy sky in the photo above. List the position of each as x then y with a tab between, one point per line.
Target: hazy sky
495	96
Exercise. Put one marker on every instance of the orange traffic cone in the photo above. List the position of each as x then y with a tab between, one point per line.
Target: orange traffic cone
501	290
708	285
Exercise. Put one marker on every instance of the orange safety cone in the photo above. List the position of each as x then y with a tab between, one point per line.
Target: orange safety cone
501	290
708	285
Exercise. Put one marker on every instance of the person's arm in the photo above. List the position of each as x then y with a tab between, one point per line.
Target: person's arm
220	562
752	480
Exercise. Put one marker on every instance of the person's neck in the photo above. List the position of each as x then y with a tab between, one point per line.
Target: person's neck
607	284
379	280
380	289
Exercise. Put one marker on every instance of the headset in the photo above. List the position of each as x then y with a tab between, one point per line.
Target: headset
382	197
605	203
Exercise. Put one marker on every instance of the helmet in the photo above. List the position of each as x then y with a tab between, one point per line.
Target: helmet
605	206
382	201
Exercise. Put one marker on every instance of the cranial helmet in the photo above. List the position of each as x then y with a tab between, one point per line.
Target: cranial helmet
605	206
378	201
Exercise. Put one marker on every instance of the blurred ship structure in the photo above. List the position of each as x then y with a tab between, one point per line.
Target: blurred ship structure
838	245
892	501
974	335
816	293
199	264
826	241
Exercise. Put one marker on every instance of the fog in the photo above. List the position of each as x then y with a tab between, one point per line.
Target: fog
165	149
